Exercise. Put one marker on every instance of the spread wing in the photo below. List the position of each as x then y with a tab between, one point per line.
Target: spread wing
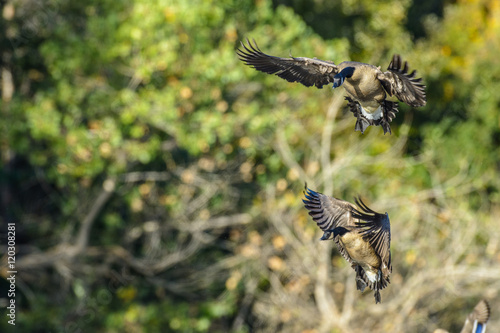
376	229
406	87
329	213
476	321
307	71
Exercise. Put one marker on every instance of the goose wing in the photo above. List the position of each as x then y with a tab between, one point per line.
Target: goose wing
329	213
397	81
476	321
376	229
309	72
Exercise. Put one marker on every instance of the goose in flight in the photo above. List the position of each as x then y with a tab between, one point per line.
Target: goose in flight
366	86
476	320
362	236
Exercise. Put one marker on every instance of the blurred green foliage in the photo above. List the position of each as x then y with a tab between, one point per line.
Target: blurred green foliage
141	111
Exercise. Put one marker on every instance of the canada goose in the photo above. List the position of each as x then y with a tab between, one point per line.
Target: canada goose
366	85
476	320
363	237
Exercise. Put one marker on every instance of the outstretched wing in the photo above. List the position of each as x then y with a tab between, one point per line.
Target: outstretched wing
406	87
476	321
329	213
307	71
376	229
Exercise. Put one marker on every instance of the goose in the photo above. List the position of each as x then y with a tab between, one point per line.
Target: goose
362	236
476	320
366	85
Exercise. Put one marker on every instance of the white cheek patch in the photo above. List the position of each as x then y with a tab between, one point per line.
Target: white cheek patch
375	115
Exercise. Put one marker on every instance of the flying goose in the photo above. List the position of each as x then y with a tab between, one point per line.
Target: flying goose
476	320
363	237
366	85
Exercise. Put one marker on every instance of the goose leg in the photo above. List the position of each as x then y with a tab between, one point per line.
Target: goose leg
360	283
390	110
361	124
385	125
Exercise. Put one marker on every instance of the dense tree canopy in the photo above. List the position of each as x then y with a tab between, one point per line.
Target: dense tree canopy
156	181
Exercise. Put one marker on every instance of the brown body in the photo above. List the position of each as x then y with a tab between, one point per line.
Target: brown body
364	85
361	251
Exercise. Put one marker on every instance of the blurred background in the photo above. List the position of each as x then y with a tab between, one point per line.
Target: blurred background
156	181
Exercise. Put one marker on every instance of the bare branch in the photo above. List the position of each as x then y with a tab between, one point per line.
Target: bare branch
108	188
